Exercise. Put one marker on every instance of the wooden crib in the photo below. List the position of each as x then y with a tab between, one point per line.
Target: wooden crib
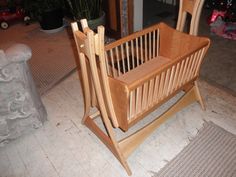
128	79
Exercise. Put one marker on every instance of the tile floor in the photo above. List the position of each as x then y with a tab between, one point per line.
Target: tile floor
63	147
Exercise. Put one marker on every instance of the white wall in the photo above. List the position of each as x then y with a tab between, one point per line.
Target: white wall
138	15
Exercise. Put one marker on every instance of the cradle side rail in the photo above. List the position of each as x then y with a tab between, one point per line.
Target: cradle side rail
150	79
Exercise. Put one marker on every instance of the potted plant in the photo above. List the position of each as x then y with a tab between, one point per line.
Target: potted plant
49	13
88	9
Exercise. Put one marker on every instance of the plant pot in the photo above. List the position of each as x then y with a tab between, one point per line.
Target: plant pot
51	19
94	23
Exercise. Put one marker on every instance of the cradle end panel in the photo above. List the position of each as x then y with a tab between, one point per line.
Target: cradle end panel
120	99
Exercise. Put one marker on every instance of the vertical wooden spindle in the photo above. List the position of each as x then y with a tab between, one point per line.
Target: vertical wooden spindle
141	49
145	48
150	46
156	88
107	64
127	55
132	54
114	73
137	51
123	58
118	61
169	88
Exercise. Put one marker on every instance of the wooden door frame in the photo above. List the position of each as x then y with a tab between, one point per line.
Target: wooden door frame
130	16
117	33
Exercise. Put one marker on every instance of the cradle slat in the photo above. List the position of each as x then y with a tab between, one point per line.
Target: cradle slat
118	61
173	70
156	88
141	50
137	51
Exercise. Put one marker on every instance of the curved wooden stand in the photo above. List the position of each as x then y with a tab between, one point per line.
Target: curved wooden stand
129	78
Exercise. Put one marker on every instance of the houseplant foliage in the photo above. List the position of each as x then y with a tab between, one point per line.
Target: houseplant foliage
88	9
49	13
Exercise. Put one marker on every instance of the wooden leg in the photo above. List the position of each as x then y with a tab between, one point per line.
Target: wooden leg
93	96
89	122
84	77
86	112
198	95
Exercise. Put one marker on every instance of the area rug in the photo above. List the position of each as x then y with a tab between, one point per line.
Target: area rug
53	55
212	153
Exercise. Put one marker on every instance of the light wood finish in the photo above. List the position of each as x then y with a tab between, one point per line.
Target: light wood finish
133	76
192	7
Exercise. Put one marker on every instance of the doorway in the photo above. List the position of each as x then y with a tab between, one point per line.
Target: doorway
155	11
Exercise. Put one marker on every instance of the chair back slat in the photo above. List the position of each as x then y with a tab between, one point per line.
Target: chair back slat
192	7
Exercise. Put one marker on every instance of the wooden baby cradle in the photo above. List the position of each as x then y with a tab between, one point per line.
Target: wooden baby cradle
131	77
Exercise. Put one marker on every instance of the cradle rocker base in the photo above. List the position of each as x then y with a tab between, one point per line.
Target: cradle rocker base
126	146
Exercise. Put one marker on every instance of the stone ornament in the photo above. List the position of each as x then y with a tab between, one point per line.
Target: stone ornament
21	108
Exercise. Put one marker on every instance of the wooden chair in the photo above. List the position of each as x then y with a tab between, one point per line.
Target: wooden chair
131	77
192	7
